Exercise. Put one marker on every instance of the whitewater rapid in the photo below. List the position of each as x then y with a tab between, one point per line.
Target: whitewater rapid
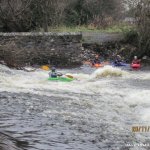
95	111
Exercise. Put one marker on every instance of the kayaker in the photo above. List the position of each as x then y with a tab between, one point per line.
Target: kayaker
97	60
136	60
53	73
118	60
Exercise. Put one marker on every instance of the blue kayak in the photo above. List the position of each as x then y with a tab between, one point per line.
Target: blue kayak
121	64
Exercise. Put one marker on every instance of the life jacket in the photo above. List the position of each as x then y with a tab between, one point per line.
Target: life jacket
53	74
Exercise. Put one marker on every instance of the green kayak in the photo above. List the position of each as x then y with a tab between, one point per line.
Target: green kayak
63	79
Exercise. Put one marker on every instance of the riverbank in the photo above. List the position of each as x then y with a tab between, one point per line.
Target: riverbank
63	50
114	28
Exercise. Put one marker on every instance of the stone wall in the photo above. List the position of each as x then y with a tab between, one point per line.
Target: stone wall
59	49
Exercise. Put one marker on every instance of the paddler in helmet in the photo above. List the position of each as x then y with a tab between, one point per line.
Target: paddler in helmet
118	60
96	60
136	60
53	73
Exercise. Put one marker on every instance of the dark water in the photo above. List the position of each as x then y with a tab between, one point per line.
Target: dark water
87	114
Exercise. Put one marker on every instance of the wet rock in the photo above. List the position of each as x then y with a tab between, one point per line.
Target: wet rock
108	50
2	62
9	143
94	141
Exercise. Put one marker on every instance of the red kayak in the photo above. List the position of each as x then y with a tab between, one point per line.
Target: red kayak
136	66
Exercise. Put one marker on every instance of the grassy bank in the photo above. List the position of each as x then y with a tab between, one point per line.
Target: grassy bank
119	28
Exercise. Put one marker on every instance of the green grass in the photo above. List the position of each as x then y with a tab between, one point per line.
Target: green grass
119	28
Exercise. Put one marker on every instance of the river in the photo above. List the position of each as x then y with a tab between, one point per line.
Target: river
95	112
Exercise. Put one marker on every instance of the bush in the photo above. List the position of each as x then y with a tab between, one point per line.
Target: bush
131	36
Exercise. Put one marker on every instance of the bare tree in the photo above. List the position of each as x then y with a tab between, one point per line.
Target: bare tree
143	26
15	16
25	15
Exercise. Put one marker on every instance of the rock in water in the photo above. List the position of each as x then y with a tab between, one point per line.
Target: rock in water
9	143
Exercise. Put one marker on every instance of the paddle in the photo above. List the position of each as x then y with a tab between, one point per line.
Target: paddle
69	76
60	74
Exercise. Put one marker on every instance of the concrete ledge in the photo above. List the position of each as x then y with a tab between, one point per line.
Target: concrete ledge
94	37
39	33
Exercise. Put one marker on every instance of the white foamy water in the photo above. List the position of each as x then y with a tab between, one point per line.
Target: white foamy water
110	96
25	81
